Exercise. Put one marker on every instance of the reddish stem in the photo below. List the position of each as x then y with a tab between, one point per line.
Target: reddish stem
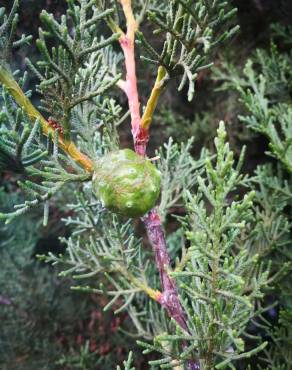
169	298
140	135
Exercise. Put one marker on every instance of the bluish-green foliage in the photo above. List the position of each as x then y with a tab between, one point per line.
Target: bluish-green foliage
230	247
264	90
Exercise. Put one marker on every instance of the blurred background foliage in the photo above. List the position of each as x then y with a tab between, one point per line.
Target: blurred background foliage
44	325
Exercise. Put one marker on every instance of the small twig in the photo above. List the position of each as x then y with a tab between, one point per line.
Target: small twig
153	294
154	97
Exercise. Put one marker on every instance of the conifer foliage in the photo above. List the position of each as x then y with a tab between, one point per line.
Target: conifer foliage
193	297
264	90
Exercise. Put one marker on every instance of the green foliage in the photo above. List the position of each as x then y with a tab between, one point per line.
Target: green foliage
73	71
219	279
102	245
18	149
271	240
75	76
7	33
180	128
282	33
264	91
128	363
45	325
237	278
179	171
191	32
23	150
230	242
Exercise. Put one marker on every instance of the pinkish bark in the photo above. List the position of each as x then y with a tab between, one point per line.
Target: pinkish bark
169	298
140	135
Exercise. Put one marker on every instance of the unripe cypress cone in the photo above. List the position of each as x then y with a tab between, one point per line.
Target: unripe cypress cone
126	183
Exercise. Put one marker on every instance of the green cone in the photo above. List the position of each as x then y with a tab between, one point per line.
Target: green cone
127	183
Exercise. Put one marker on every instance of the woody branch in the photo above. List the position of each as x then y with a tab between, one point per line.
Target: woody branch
169	298
140	129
